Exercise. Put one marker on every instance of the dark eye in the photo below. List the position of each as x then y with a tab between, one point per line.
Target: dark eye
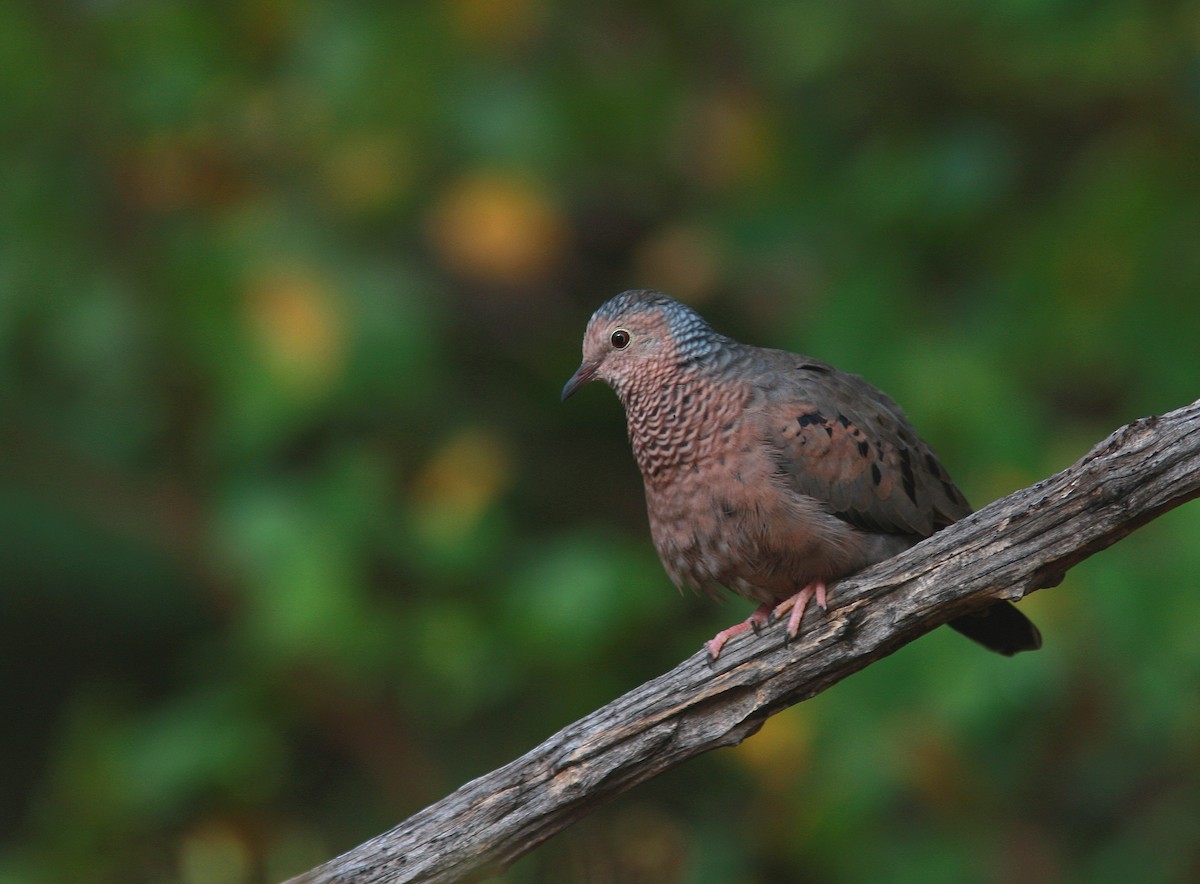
620	339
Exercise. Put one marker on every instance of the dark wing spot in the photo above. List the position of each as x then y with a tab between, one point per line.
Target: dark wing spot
864	448
843	420
813	417
829	431
906	474
876	475
953	493
931	463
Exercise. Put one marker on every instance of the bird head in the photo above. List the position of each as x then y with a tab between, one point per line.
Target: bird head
639	336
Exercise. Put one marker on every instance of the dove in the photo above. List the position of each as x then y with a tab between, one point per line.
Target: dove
767	473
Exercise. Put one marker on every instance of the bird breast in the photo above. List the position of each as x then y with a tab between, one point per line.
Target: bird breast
676	426
719	513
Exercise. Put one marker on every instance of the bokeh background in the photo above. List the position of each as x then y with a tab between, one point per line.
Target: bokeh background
297	537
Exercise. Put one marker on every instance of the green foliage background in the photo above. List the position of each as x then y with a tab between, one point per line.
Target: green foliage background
297	537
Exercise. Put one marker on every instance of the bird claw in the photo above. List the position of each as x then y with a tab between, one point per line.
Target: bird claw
766	615
710	654
754	622
794	606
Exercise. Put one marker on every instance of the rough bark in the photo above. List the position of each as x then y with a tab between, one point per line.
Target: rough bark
1012	547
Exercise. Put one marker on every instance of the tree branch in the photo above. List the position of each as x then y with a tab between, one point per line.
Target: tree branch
1012	547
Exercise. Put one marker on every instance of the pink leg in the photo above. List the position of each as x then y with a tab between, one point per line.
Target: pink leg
797	603
754	621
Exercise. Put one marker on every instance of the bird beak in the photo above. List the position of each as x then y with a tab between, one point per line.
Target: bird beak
586	372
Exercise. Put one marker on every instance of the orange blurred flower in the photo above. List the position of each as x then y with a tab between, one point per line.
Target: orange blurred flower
498	228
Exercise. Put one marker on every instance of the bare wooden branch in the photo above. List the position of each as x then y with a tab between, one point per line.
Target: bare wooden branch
1018	544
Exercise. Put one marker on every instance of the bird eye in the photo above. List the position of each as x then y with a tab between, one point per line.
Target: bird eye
620	339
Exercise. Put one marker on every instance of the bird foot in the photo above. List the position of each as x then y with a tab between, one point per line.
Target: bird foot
755	621
796	605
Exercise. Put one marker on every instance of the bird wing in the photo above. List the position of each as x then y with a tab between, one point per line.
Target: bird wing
836	438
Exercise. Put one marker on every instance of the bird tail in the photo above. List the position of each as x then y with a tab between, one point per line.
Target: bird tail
1001	628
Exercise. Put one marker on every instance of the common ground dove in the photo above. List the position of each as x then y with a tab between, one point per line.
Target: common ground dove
768	473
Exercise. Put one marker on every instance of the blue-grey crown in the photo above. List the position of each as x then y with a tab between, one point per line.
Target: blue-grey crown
694	337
